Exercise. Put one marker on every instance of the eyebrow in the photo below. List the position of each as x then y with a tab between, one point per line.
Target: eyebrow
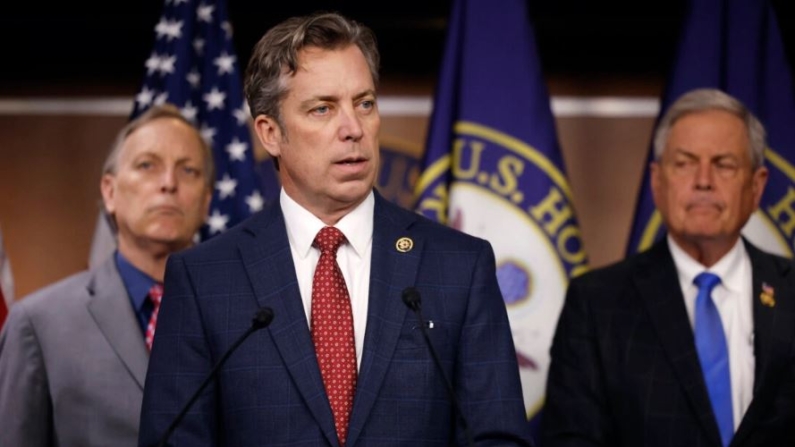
332	98
155	155
680	151
368	92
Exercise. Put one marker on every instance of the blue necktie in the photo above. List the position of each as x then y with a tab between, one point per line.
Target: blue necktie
713	353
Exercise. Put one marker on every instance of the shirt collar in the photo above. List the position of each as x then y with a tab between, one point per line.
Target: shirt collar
303	226
726	268
135	281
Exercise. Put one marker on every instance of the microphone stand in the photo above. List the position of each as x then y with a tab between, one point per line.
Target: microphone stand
261	320
411	297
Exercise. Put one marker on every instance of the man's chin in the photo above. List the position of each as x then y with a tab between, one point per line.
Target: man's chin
353	191
705	234
173	239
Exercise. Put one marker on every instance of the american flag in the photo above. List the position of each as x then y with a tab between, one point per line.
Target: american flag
194	67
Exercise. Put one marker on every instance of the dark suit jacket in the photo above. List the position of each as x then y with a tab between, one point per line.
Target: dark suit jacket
72	365
271	393
625	371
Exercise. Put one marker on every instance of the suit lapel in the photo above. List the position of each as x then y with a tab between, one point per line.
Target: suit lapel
772	335
269	265
391	271
658	284
113	314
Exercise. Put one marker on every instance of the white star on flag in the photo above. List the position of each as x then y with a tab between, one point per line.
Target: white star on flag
225	63
237	150
205	13
189	112
169	29
194	78
215	99
198	46
217	222
167	64
227	27
208	133
241	115
152	64
255	202
161	98
144	97
226	187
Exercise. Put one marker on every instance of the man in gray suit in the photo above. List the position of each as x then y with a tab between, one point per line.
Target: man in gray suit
73	356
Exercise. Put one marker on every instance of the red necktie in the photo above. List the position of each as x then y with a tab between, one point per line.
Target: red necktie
155	295
332	330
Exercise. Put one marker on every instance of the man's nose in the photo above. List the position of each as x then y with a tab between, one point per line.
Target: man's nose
705	177
168	180
350	125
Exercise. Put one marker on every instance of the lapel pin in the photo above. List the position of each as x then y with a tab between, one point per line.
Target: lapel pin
768	295
404	244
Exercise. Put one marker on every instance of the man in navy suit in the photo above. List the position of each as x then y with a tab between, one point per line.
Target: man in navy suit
311	86
690	343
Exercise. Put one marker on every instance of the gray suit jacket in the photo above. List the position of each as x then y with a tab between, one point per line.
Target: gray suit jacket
72	365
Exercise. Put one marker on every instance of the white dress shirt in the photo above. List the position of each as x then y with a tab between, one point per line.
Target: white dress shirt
353	256
734	299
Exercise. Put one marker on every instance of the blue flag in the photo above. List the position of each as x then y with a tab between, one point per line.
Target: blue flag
492	168
193	66
736	46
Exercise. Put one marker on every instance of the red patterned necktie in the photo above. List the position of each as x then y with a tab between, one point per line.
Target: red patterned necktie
155	295
332	329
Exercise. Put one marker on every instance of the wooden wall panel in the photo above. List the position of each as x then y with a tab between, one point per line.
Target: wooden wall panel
49	178
604	160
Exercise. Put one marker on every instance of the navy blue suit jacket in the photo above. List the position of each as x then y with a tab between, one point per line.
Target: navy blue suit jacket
625	371
270	392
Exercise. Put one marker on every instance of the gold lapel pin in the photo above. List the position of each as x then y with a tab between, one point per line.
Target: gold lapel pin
768	295
404	244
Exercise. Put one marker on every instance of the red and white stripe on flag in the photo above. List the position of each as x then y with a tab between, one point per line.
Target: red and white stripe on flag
6	283
3	308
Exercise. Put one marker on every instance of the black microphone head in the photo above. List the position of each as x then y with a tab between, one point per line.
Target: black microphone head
411	298
262	318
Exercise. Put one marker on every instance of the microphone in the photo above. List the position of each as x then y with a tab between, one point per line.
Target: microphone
411	298
261	320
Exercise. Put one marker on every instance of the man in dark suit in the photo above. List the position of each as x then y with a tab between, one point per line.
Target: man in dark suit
73	355
691	342
344	361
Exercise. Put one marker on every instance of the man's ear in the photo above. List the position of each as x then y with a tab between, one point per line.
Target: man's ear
269	133
654	180
758	182
107	186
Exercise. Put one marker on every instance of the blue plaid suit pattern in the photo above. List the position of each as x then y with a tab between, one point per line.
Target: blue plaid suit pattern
271	392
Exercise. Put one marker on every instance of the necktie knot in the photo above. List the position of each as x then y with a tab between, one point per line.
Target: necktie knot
329	239
706	282
156	293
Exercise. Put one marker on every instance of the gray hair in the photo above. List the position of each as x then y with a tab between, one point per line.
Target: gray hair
704	99
276	56
111	165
